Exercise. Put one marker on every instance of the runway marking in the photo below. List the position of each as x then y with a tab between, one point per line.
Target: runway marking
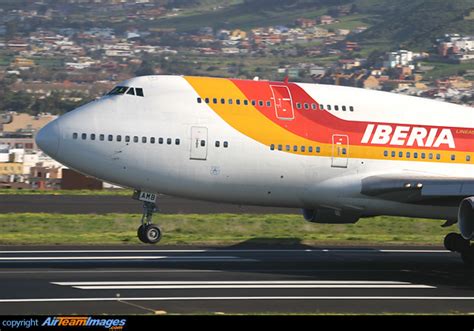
108	299
148	285
435	251
320	282
125	257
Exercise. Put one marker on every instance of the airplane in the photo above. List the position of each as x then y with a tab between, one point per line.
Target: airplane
338	153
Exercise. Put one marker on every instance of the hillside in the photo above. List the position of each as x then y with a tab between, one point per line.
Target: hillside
408	23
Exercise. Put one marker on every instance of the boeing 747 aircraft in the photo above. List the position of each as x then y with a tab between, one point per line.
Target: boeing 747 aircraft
338	153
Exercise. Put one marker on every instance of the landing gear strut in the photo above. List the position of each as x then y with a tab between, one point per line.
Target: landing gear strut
147	232
456	243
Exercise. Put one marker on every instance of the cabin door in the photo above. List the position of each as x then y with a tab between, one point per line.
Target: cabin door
283	102
340	151
198	143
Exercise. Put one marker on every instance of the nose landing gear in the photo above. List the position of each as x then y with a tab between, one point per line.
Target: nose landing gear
148	232
454	242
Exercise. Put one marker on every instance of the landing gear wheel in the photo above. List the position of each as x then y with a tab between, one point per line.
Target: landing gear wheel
454	242
468	257
152	234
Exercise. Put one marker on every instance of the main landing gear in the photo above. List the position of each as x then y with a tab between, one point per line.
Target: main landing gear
456	243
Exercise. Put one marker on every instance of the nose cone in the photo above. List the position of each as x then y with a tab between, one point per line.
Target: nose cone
47	138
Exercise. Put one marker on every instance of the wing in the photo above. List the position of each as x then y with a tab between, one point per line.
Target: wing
418	188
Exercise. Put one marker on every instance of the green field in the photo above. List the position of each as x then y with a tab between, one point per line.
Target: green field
216	229
121	192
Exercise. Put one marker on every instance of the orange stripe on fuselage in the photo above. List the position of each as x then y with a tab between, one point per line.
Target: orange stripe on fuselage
308	128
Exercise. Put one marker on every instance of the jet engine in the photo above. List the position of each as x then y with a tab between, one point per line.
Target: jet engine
466	218
330	216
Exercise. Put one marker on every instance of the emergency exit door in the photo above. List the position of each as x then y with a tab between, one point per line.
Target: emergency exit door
283	102
340	151
198	143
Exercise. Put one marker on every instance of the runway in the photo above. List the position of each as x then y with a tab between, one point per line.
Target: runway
183	280
102	204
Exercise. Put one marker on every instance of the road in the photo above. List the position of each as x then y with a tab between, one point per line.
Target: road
99	204
184	280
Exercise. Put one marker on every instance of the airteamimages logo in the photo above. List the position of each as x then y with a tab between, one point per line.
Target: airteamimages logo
76	321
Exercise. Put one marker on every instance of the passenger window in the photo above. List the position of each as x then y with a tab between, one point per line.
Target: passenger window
237	101
295	148
415	155
254	103
110	138
272	147
351	108
119	138
246	102
306	106
152	140
336	107
269	103
230	101
298	105
260	103
287	148
468	158
329	107
280	147
343	108
177	141
310	149
430	156
92	136
394	154
199	100
74	135
131	91
203	143
135	139
344	151
144	140
303	149
313	106
400	154
423	155
139	92
408	155
318	149
218	143
214	100
321	107
127	139
226	144
453	157
206	100
160	141
102	137
222	101
169	140
385	153
438	157
84	136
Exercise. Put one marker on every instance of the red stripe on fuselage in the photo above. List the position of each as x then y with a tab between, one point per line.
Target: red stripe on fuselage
320	125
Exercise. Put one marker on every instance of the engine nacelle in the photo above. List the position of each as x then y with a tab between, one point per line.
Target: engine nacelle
466	218
330	216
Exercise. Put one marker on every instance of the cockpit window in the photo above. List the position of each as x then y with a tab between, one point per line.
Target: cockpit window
137	91
118	90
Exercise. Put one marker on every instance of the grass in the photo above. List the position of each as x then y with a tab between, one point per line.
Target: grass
442	69
215	229
121	192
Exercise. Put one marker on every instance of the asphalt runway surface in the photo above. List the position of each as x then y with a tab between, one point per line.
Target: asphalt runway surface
183	280
90	204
